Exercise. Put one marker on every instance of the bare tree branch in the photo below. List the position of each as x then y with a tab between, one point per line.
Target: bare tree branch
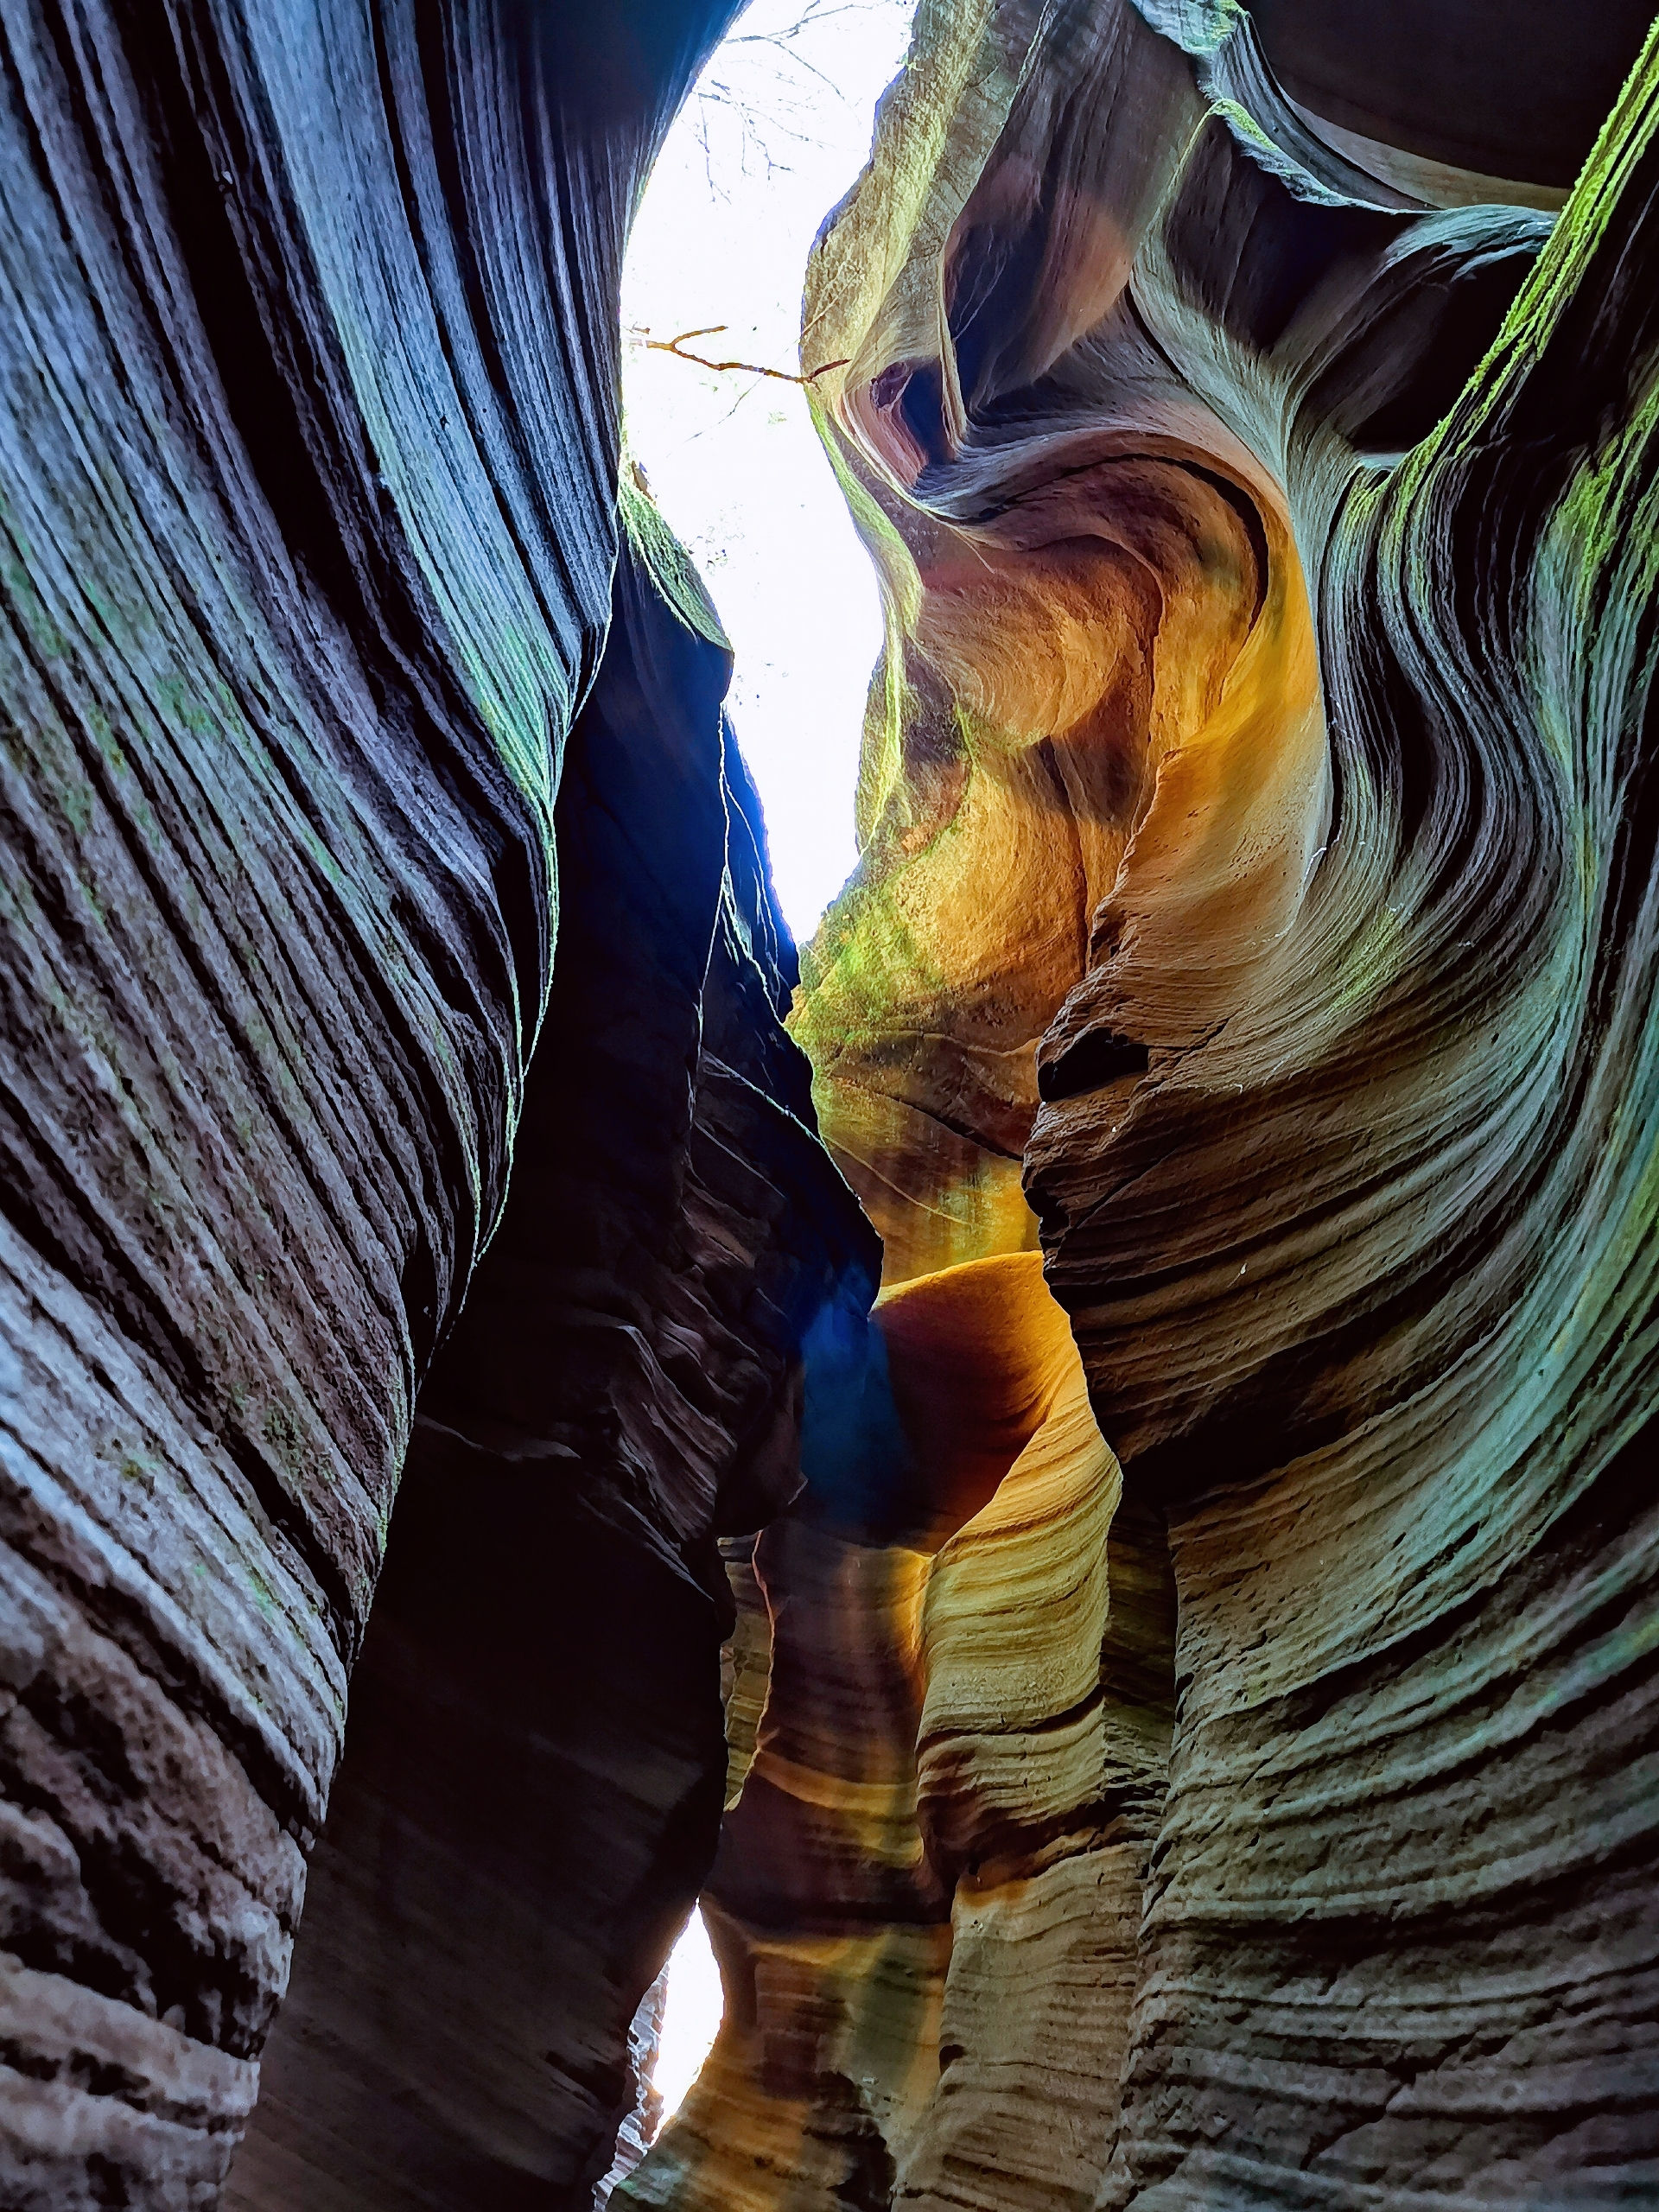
767	124
677	347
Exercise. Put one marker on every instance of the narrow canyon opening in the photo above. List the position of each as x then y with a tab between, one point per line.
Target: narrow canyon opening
854	1132
774	133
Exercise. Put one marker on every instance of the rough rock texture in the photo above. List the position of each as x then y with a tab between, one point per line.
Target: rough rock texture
533	1785
1194	1730
641	2123
308	485
1258	909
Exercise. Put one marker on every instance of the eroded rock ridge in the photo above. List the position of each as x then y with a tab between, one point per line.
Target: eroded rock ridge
1243	1796
1185	1645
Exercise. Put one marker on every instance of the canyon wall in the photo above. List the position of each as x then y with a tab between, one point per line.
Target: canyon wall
1214	1766
534	1771
311	512
1188	1727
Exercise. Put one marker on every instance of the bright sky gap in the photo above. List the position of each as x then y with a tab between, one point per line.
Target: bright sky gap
691	2012
775	131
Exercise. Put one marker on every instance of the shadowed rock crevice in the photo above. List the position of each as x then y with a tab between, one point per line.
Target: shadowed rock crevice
536	1764
1185	1643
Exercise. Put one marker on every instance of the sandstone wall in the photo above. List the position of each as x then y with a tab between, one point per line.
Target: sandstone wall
310	505
1256	915
1189	1737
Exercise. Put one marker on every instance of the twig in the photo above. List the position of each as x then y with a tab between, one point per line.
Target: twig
677	347
809	19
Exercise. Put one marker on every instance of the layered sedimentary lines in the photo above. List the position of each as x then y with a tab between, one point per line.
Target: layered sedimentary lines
926	1896
1189	1733
531	1791
309	501
1256	911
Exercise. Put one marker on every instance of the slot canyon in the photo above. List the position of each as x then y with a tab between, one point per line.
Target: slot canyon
1077	1460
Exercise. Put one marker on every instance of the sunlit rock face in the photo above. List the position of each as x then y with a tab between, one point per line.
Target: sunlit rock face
309	458
1189	1744
1210	1752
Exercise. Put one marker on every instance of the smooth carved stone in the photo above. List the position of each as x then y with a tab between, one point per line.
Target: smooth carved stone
531	1791
1390	1945
310	460
1257	860
942	1734
829	1922
1039	1788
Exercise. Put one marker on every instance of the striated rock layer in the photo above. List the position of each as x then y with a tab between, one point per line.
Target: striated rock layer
1190	1742
533	1778
309	456
1257	914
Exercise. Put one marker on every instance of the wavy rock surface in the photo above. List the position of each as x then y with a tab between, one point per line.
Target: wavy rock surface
309	456
1195	1731
1257	911
532	1790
